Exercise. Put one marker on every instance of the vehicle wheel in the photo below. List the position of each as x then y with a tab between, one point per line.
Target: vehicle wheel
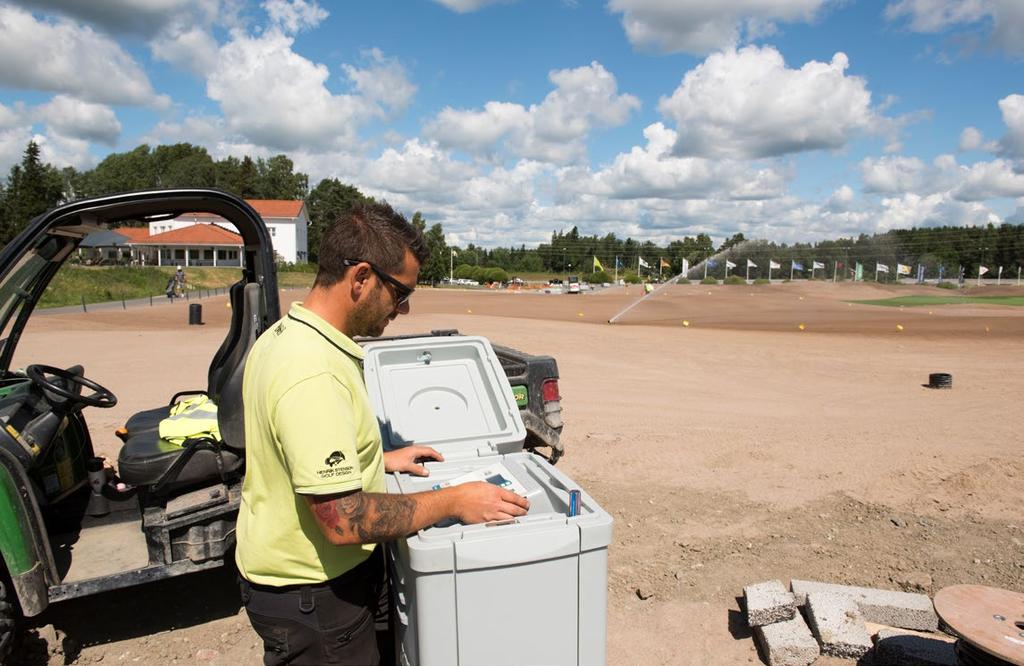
10	620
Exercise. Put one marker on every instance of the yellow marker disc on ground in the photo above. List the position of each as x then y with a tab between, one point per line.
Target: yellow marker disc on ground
469	312
801	298
686	323
801	327
579	314
899	327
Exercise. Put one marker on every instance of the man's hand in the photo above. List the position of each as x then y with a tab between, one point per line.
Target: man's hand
482	502
406	460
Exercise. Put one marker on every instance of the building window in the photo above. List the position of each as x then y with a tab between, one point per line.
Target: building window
207	255
273	231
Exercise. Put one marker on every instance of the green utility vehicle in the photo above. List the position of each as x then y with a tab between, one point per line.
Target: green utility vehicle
66	530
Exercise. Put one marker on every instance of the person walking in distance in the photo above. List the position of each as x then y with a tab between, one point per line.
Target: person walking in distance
179	282
314	508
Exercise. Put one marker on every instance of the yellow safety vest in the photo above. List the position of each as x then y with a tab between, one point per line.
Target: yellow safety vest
195	417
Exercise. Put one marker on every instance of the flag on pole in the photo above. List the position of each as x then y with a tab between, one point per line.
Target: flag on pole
858	272
816	265
798	266
729	264
773	264
618	263
597	265
686	267
881	268
982	270
664	264
642	263
751	264
902	269
1000	271
454	252
712	263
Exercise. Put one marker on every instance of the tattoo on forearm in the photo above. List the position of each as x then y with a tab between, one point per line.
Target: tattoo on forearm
372	518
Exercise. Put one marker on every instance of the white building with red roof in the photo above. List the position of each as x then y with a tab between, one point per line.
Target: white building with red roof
204	239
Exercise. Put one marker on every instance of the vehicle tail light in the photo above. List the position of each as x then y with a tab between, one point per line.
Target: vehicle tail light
549	390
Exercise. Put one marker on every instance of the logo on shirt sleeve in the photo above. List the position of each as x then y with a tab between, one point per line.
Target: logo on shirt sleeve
334	467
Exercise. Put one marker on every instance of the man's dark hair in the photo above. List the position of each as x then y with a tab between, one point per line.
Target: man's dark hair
369	231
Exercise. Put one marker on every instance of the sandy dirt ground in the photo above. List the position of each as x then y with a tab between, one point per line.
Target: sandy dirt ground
735	449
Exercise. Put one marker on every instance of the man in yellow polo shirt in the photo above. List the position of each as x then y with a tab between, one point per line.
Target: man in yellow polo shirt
313	501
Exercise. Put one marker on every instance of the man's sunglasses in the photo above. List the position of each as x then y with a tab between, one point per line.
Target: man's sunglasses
402	292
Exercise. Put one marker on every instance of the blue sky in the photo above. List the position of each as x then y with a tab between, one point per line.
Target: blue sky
791	120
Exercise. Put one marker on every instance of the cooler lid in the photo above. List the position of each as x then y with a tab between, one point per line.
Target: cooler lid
446	392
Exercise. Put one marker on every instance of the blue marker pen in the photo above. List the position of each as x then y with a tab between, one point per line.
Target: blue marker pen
574	503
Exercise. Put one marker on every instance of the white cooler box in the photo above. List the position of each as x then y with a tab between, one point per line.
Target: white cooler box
528	592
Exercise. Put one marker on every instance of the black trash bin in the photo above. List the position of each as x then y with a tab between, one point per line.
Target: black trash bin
195	314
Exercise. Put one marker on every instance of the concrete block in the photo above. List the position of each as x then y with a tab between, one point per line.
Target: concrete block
768	603
787	643
895	648
895	609
838	624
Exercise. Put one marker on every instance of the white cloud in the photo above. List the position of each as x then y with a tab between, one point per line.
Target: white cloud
748	104
301	112
293	16
64	151
384	82
553	131
1012	143
74	119
915	210
970	139
418	168
141	17
60	56
1005	18
841	199
989	180
944	178
653	172
193	49
699	27
892	174
466	6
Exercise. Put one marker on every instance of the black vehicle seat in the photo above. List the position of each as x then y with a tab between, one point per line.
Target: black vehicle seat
147	460
150	419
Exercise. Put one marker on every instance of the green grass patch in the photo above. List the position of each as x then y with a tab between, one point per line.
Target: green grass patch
101	284
918	301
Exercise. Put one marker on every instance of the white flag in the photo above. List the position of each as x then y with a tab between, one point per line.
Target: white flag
729	264
982	270
751	264
1000	271
454	253
773	264
816	265
643	264
881	268
902	269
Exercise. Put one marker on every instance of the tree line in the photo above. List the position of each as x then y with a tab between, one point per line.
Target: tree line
33	186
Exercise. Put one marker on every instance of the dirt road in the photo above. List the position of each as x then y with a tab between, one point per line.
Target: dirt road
729	451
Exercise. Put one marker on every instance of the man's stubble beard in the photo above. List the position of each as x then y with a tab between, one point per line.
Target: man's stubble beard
370	319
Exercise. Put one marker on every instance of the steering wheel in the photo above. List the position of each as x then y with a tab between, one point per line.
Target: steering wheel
43	377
